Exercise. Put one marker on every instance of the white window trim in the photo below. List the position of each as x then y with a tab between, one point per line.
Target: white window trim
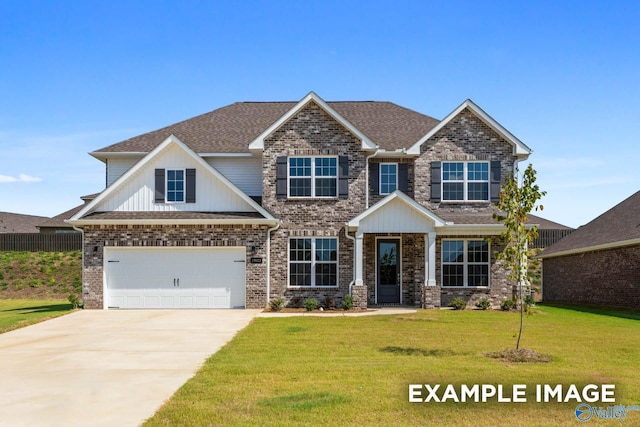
466	182
313	177
380	177
465	263
313	263
166	185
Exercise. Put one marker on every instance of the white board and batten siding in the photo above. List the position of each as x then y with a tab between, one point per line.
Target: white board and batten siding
244	172
395	217
138	192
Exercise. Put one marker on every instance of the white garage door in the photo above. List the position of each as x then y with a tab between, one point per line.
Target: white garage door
175	277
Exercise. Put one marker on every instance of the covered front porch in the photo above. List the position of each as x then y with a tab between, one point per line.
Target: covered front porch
395	254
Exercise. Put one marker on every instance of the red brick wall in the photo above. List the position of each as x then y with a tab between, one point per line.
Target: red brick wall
608	278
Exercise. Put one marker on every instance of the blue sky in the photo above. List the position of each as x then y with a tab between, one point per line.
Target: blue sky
564	77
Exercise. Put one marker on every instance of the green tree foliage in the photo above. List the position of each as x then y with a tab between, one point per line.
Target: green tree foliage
516	202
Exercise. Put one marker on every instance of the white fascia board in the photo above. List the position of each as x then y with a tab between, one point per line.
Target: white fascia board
438	222
257	221
594	248
520	149
103	155
258	143
170	140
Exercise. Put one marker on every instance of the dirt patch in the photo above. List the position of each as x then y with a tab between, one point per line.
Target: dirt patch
522	355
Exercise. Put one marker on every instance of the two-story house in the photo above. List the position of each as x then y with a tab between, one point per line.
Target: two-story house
262	200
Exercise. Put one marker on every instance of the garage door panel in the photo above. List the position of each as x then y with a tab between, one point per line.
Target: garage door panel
175	278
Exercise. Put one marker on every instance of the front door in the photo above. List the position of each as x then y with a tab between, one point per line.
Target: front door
388	269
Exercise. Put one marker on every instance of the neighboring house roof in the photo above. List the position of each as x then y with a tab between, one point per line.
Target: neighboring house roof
545	224
232	128
619	226
58	220
19	223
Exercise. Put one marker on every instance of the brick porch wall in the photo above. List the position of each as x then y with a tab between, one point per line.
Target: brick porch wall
608	278
97	237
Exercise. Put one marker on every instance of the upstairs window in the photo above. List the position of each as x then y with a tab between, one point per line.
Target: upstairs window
388	177
465	181
175	185
313	177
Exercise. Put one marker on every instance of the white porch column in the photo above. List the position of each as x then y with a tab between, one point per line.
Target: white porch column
430	259
359	264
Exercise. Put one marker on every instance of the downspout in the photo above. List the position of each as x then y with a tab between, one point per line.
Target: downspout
346	234
269	259
366	184
81	230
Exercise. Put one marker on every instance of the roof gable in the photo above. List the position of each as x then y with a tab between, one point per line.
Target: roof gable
101	202
519	147
258	143
619	226
405	214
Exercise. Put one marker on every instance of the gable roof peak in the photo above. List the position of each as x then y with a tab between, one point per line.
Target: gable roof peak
520	149
258	143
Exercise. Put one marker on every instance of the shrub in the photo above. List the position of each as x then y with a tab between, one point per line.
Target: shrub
276	304
310	304
458	303
74	300
529	300
507	305
329	303
347	302
484	304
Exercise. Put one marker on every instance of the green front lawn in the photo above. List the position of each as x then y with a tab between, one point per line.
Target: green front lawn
16	313
356	370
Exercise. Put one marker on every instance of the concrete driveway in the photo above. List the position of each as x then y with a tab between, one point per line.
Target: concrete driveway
106	368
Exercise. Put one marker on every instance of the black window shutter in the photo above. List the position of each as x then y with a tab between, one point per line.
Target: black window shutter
281	177
159	187
343	177
496	169
190	185
403	177
436	179
374	178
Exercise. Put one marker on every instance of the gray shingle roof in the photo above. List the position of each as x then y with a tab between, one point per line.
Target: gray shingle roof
545	224
19	223
619	224
230	129
58	220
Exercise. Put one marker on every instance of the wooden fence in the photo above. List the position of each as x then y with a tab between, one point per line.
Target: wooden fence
35	242
548	237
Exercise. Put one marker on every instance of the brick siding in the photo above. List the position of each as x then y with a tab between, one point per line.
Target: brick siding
608	278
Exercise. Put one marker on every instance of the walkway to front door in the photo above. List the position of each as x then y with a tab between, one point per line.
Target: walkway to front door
388	271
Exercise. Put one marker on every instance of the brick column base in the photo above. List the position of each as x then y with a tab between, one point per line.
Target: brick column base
359	294
430	296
